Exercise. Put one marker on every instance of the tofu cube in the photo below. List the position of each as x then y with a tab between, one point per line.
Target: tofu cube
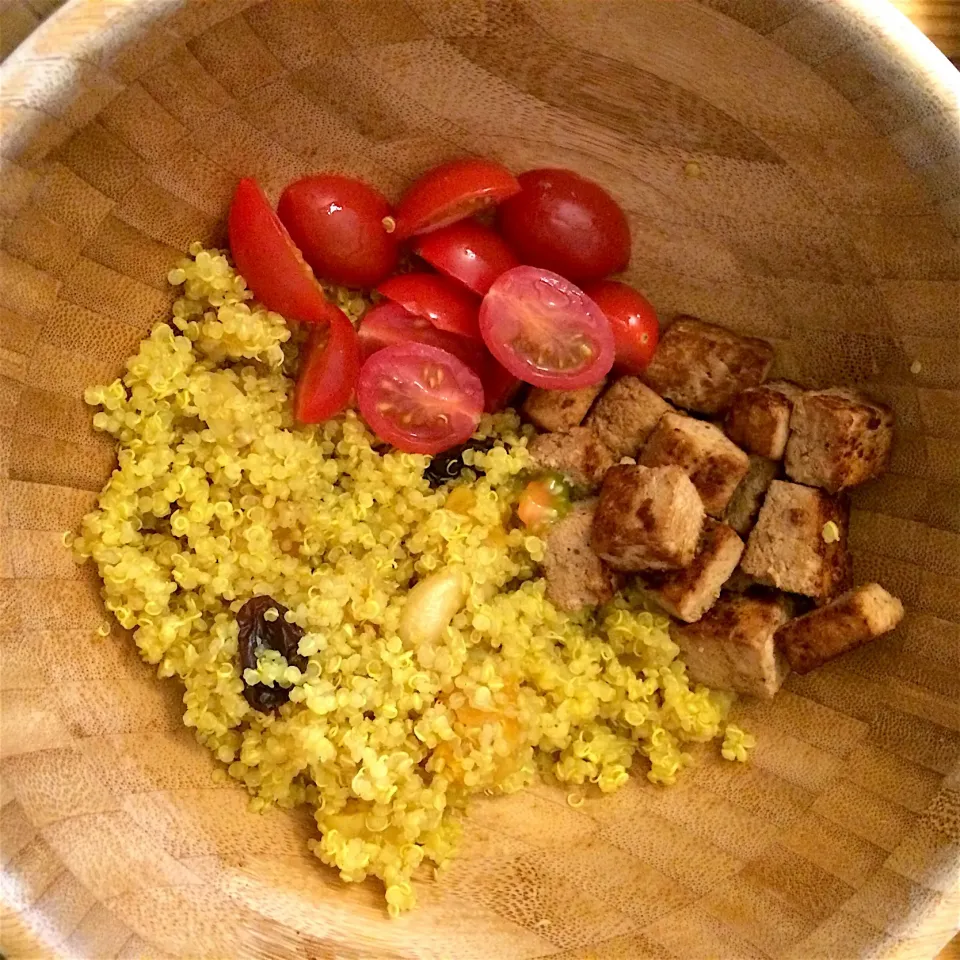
852	620
789	549
625	416
700	366
732	646
759	418
578	454
687	594
713	463
576	577
558	410
647	519
744	505
838	439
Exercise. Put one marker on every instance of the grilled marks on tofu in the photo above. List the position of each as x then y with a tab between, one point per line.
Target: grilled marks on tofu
838	439
647	519
576	577
759	418
576	453
714	464
558	410
700	366
850	621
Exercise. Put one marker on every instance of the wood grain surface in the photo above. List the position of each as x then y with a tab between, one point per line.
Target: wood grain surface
826	218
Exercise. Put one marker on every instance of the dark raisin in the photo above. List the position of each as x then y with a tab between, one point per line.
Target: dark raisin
449	464
256	635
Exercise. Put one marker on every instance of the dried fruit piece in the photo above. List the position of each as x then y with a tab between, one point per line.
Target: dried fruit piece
262	626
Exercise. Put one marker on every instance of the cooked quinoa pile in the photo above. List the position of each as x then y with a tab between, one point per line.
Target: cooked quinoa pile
219	496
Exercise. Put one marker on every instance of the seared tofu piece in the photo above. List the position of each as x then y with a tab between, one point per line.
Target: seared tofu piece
838	439
800	542
700	366
732	646
713	463
557	410
744	505
687	594
852	620
759	418
576	453
625	416
576	577
647	519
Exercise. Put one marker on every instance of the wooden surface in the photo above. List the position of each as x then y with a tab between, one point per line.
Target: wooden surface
825	218
939	20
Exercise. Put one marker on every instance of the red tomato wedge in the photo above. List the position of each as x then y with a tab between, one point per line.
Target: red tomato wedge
500	386
328	372
468	252
337	222
545	330
419	398
451	192
566	223
444	303
388	323
269	260
633	321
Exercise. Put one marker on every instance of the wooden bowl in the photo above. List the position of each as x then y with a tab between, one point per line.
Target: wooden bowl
791	168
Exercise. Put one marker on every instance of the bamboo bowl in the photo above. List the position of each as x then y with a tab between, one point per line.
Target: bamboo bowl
791	168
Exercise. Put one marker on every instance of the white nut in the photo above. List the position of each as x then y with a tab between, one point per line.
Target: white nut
431	605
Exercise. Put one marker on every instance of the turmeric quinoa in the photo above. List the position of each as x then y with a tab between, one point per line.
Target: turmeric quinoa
431	665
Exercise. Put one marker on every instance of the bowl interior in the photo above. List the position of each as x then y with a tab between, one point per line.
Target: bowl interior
790	169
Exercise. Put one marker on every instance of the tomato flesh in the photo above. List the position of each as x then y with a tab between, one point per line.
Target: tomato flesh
337	222
636	330
444	303
269	260
566	223
328	372
419	398
453	191
500	386
469	252
545	330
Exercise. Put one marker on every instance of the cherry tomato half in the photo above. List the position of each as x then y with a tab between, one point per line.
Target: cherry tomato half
451	192
566	223
468	252
328	372
419	398
633	321
337	222
388	323
545	330
444	303
269	260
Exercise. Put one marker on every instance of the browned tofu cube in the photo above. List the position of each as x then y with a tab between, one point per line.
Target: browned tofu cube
687	594
732	646
702	367
559	409
838	439
744	505
578	454
800	542
647	519
759	418
625	415
576	577
713	463
852	620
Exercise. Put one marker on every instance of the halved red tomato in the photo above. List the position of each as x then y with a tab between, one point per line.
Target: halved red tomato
444	303
269	260
328	372
337	222
566	223
545	330
500	386
419	398
633	321
388	323
468	252
451	192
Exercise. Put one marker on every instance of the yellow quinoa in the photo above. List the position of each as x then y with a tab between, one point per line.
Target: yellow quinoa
219	496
